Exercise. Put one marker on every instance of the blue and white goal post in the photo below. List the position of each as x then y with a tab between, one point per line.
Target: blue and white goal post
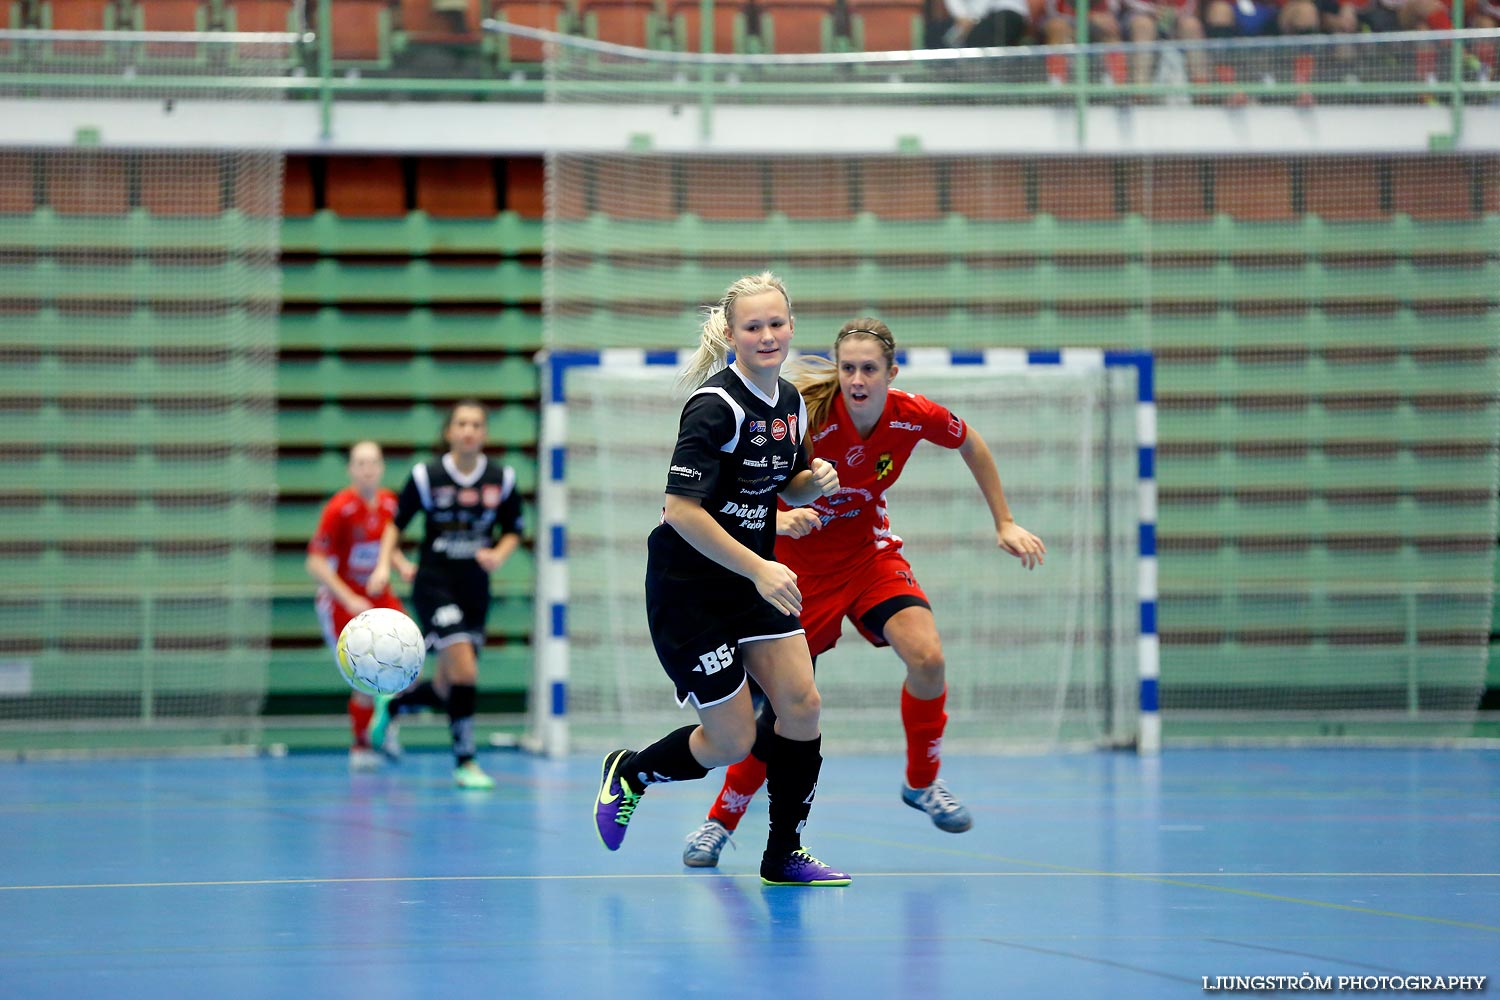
1063	656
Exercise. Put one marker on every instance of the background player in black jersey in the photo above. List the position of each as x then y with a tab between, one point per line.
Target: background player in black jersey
465	501
718	604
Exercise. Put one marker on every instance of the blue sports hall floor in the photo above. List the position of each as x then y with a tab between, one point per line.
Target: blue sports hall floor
1094	875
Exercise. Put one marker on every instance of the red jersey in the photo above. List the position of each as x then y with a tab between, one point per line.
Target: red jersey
856	517
349	534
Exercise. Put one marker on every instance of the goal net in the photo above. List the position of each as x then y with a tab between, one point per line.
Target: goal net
1035	659
138	296
1313	275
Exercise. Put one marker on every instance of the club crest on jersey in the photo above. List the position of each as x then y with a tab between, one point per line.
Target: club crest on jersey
778	429
855	456
791	423
491	495
468	496
883	465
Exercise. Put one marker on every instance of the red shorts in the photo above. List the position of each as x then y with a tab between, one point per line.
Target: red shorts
333	616
853	591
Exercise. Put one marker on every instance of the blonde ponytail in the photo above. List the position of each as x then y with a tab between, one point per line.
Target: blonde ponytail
713	338
711	355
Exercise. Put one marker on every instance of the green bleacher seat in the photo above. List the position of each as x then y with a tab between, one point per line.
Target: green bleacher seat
308	669
48	281
422	329
337	426
141	328
322	473
294	618
517	578
137	231
297	517
420	378
1401	375
417	282
1318	422
416	234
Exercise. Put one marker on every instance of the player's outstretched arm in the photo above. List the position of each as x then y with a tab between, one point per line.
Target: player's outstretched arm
1009	535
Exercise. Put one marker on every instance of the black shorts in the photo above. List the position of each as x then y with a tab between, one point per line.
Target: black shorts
698	625
451	611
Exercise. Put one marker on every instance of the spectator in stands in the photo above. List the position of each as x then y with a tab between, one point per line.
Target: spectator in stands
1150	21
340	556
1483	55
1059	18
986	23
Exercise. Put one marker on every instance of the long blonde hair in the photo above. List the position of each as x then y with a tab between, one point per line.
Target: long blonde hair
713	339
817	379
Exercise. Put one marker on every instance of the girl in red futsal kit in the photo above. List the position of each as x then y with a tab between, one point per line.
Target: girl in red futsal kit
340	557
849	563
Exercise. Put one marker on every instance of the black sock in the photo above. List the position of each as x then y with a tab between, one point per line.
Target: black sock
791	781
461	701
668	759
424	695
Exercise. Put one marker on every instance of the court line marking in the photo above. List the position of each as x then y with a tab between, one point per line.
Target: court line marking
1176	880
1165	877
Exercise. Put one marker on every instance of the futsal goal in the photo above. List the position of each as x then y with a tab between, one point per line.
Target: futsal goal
1063	655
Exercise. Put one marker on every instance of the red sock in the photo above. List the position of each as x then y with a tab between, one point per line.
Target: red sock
741	782
360	713
924	722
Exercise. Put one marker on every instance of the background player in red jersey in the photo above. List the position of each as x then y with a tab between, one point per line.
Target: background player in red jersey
849	563
341	555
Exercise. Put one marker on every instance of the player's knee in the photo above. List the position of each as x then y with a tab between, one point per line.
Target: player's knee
801	709
926	663
726	744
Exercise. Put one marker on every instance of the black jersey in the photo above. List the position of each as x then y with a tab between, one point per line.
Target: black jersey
736	450
462	512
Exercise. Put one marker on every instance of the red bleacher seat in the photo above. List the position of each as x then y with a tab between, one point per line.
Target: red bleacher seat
1166	189
18	196
1253	190
686	23
525	186
811	189
88	183
988	189
456	188
171	15
79	15
1076	189
360	30
366	187
182	184
297	188
548	14
260	15
1433	188
717	189
635	189
888	25
421	22
1342	188
900	188
623	22
795	25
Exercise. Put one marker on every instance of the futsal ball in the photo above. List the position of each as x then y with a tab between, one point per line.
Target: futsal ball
381	651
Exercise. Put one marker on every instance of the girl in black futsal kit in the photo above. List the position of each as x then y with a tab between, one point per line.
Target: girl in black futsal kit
719	605
465	500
